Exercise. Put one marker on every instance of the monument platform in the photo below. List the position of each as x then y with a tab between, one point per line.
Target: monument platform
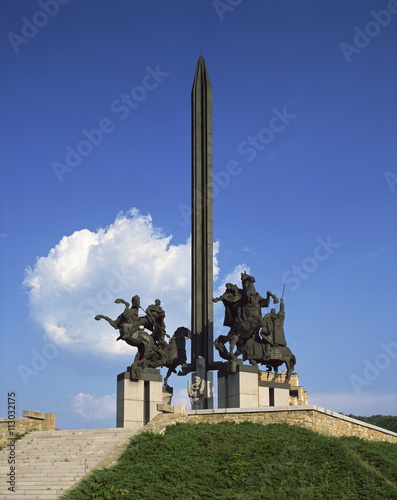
321	420
241	386
137	398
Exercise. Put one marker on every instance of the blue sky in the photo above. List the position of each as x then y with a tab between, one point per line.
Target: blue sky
311	204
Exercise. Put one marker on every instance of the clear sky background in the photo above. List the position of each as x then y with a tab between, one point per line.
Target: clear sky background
305	180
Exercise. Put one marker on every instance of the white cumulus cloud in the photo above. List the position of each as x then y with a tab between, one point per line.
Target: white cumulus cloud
86	271
91	407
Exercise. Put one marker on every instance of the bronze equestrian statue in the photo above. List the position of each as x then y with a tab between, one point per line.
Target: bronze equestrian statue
153	350
258	339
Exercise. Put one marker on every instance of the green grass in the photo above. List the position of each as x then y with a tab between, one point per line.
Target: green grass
245	461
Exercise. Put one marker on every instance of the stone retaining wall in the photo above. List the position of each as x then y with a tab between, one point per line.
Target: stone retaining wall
311	417
31	420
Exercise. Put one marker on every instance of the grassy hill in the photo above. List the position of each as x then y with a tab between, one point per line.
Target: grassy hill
245	461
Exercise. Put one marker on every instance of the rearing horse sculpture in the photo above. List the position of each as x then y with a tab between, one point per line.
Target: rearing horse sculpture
153	352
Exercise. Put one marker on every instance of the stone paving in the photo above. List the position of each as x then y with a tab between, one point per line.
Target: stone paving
47	463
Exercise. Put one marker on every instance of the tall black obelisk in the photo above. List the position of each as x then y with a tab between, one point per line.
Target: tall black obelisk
202	237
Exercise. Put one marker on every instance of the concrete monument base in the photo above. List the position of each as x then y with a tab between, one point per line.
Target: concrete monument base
239	386
137	398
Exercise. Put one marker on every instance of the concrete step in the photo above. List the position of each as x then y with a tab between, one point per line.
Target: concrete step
40	483
29	476
80	457
47	463
39	487
30	495
38	494
76	432
67	450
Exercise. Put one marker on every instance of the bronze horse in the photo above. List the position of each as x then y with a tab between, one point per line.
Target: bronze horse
257	351
175	352
169	355
152	354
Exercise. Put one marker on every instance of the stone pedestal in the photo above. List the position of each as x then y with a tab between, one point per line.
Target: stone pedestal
137	399
273	394
239	386
297	394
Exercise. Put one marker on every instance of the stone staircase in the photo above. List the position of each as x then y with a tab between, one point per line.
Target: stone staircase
47	463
